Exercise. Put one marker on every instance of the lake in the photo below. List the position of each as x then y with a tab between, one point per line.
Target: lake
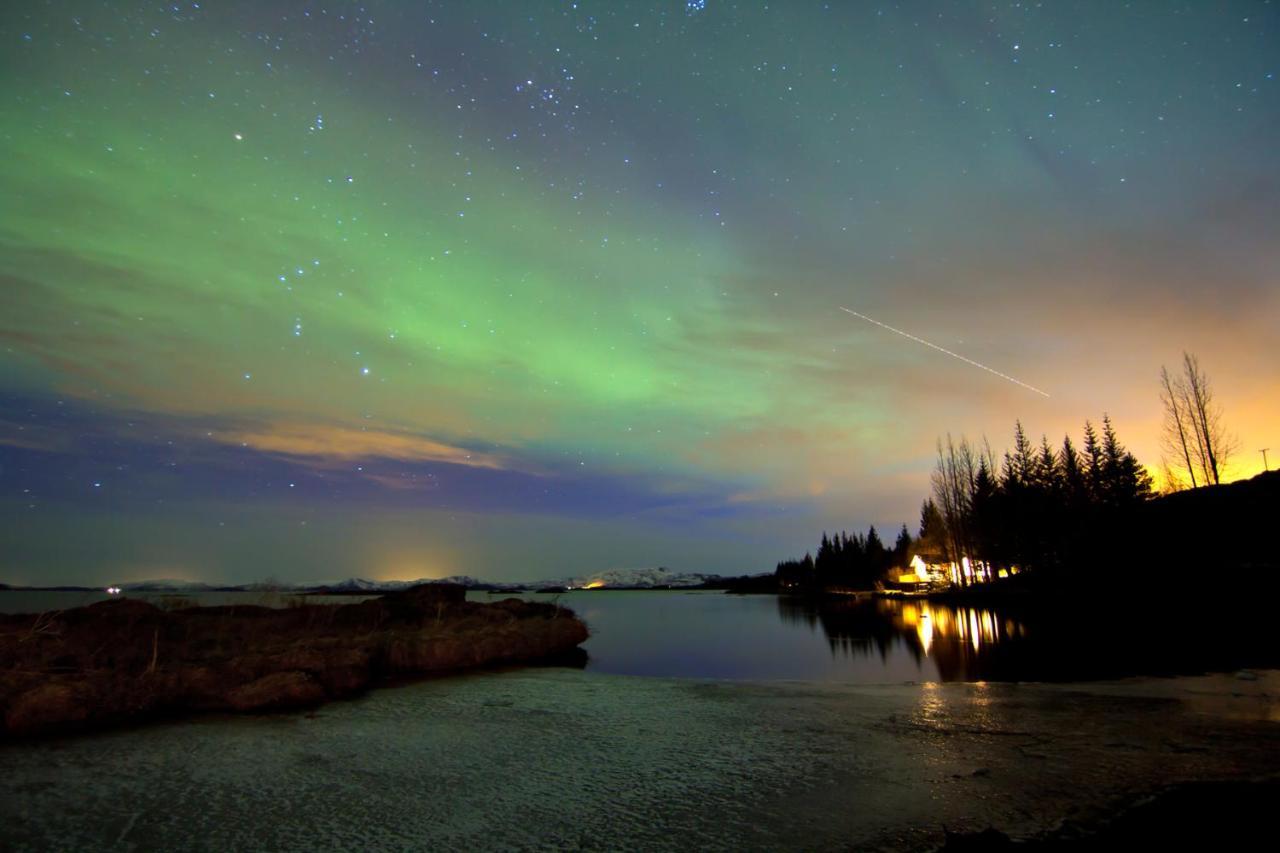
712	635
701	720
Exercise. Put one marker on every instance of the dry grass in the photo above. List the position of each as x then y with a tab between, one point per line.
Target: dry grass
125	657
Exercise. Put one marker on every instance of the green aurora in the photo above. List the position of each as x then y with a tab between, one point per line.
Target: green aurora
409	256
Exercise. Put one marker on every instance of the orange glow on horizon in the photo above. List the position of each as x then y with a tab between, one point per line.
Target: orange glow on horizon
412	566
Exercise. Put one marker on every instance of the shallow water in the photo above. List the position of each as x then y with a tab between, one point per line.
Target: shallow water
565	759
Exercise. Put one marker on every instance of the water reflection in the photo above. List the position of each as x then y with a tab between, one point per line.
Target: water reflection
969	626
961	641
853	627
712	635
1100	640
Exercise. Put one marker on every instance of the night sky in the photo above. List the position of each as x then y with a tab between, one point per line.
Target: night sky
521	290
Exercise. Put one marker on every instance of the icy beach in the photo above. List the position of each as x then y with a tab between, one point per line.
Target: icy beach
581	760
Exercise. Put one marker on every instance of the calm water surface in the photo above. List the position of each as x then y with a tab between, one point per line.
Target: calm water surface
711	635
876	641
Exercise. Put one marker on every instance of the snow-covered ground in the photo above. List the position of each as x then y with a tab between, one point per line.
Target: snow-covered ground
555	758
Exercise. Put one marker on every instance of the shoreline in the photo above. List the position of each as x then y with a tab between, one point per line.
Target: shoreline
566	758
127	661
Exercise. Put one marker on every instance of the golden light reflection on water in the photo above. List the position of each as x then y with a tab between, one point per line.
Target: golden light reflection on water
1025	643
964	626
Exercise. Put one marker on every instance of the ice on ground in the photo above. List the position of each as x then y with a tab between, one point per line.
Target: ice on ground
579	760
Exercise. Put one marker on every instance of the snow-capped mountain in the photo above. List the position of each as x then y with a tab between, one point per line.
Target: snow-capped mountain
363	585
468	581
643	578
646	578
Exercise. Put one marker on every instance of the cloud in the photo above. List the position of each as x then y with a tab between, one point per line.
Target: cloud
328	442
32	437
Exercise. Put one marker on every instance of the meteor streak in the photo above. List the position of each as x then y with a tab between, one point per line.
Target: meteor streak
943	350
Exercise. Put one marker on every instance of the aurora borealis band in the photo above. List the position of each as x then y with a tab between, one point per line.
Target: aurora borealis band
521	290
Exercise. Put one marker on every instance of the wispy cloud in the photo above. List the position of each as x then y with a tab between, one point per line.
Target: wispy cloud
330	442
33	437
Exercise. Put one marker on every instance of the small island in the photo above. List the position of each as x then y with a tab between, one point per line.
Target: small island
124	660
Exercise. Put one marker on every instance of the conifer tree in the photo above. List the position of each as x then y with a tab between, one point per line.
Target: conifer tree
1073	477
932	535
1115	488
876	556
1047	477
1092	461
984	526
1023	456
902	547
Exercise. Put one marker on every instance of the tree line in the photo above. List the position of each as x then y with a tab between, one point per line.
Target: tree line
1052	511
1042	508
1038	509
844	561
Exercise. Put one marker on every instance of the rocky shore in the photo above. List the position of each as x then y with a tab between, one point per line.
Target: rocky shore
122	660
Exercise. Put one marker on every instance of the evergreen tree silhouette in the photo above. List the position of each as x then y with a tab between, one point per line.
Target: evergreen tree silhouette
902	548
1073	477
1092	462
985	524
876	558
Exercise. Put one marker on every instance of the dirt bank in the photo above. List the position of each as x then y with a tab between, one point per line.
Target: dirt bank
121	660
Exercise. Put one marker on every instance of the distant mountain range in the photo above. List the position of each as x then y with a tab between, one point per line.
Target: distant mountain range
645	578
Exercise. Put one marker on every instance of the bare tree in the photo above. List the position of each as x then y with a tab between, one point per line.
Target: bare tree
1193	428
1176	427
1173	481
953	489
1207	418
